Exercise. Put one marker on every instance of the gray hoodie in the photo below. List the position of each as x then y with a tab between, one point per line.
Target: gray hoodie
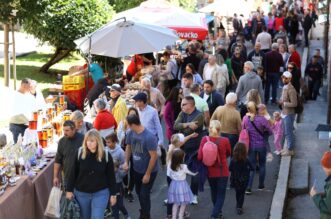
118	156
246	83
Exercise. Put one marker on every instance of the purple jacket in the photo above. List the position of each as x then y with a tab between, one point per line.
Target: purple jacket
255	138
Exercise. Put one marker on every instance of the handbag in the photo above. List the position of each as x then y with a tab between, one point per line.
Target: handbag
70	209
244	137
256	128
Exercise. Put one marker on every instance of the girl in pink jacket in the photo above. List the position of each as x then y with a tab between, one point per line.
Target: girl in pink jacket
277	129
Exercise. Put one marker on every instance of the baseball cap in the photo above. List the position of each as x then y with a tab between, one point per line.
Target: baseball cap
287	74
140	96
115	87
326	160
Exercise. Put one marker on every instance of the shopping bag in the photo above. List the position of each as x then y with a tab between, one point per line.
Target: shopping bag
70	209
53	205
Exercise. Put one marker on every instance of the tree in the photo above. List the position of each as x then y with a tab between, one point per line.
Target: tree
60	22
120	5
189	5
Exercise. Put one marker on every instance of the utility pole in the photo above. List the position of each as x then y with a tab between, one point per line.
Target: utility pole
6	54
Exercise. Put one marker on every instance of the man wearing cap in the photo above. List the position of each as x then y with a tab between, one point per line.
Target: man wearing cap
117	103
149	117
323	200
288	102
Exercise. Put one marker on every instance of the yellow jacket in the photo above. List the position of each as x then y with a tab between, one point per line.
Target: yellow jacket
120	110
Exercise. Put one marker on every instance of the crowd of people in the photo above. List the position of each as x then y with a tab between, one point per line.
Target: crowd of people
217	125
214	109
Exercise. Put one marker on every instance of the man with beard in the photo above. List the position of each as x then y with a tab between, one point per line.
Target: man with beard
288	102
213	98
66	152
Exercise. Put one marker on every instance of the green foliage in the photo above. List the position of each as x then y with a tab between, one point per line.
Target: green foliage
60	22
189	5
122	5
6	7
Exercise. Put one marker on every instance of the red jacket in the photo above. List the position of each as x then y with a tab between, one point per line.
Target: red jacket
104	120
295	57
224	150
279	21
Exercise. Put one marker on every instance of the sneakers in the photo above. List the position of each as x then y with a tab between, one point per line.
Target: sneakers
165	201
195	200
269	157
261	188
288	153
248	191
240	211
130	197
277	152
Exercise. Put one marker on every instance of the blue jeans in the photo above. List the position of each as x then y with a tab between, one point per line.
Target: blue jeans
144	192
288	130
272	80
314	87
233	138
16	130
92	205
218	190
261	154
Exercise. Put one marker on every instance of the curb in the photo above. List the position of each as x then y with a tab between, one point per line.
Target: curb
279	197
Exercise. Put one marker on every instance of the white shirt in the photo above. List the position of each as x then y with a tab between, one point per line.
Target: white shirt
208	72
265	39
180	174
205	97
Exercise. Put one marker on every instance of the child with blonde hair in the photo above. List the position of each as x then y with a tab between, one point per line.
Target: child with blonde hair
263	111
277	129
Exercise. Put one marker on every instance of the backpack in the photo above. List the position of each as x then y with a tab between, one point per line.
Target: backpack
81	149
244	137
210	153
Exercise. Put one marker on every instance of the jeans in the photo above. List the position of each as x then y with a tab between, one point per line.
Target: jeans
288	130
16	130
233	138
144	192
189	159
218	190
261	153
119	206
314	86
92	205
272	80
240	197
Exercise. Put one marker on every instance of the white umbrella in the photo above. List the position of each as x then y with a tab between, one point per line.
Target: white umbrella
227	8
122	38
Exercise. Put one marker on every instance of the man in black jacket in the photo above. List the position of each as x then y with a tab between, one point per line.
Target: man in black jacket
307	23
314	72
213	98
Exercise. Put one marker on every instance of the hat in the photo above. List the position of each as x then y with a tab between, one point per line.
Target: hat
287	74
326	160
116	87
140	96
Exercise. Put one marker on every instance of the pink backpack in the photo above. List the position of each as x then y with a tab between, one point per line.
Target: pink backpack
210	153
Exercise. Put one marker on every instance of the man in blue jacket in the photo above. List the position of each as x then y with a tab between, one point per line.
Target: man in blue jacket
211	96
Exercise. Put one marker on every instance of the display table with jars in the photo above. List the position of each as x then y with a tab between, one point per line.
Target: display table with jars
26	168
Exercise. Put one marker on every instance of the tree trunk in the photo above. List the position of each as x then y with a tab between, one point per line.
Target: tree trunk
56	57
6	54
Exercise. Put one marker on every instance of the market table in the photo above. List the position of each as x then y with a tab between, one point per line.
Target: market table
17	201
28	199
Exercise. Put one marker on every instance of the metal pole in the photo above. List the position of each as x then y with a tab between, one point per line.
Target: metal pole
14	54
6	56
